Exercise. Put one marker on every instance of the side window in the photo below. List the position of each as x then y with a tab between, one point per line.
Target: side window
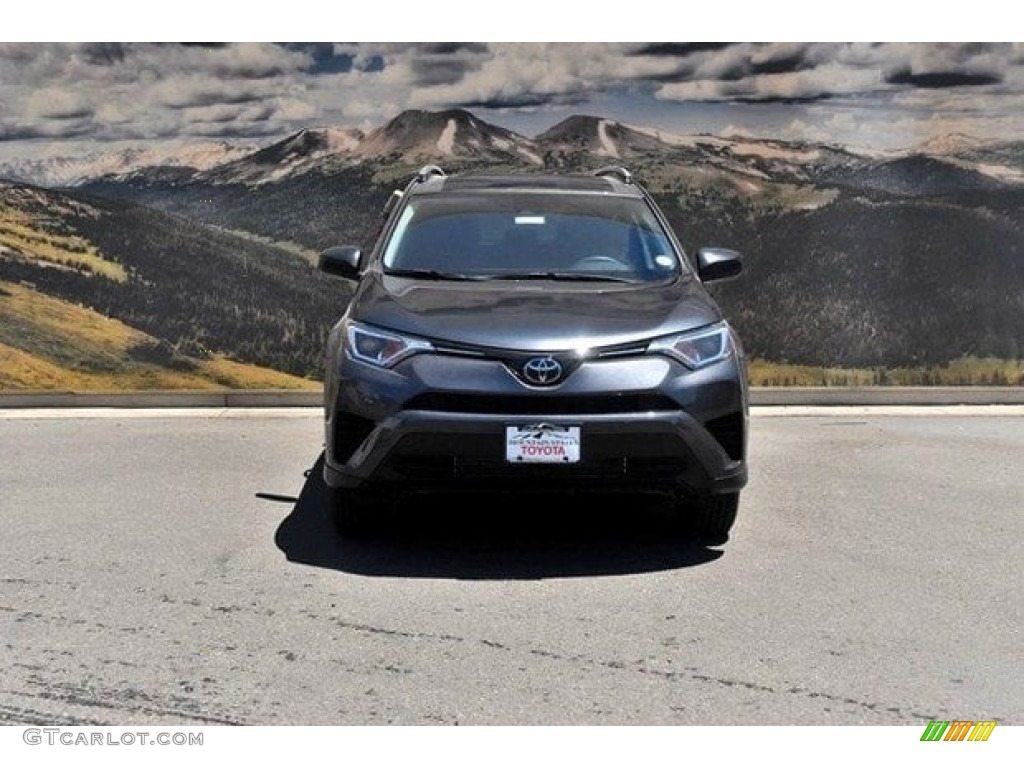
397	235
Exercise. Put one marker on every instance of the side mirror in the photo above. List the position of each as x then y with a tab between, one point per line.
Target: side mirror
718	264
341	260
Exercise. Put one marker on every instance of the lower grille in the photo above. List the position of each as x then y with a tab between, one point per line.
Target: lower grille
607	458
464	468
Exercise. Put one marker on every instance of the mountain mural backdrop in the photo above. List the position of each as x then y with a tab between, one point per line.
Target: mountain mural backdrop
201	260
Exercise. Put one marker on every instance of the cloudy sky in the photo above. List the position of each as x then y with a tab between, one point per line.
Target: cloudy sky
72	98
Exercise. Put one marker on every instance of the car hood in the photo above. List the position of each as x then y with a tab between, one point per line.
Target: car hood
532	315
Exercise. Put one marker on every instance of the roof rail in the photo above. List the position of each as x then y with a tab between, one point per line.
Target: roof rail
429	170
615	170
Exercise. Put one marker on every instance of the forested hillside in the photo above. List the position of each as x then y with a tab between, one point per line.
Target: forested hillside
197	288
852	260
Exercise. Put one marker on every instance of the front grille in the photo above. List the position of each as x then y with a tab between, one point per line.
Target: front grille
728	431
614	470
349	433
610	459
541	405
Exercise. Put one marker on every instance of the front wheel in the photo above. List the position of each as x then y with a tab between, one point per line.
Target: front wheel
711	515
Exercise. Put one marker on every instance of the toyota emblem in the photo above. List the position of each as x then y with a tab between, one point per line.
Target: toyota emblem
542	370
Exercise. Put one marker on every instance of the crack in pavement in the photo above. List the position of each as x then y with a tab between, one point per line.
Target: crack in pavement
85	698
693	673
27	716
369	628
66	621
690	673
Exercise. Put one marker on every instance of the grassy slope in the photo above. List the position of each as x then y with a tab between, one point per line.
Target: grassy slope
964	371
192	287
49	343
46	343
22	236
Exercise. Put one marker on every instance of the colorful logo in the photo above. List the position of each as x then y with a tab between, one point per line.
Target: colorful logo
958	730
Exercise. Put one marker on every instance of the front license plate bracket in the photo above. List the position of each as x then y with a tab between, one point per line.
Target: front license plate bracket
542	444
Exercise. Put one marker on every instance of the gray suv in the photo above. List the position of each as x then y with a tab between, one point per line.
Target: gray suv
533	332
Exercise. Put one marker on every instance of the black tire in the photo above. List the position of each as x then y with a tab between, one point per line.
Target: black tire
711	516
351	511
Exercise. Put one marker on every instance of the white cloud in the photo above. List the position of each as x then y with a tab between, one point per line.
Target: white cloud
829	80
56	104
514	73
147	91
112	92
290	109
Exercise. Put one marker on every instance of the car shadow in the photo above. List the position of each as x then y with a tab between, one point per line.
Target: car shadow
492	536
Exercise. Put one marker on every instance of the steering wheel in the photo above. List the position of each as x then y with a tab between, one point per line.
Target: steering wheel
600	264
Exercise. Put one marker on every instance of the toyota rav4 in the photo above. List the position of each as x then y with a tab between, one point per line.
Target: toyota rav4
533	331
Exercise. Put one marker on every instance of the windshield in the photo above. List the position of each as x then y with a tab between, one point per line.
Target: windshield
531	236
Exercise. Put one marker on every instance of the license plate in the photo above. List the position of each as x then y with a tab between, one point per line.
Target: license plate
542	444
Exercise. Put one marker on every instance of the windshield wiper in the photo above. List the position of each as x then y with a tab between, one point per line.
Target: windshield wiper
428	274
574	276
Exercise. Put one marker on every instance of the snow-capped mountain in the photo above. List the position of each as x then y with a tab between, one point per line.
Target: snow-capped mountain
205	155
457	138
297	153
1001	161
743	159
455	133
601	137
72	171
951	144
411	137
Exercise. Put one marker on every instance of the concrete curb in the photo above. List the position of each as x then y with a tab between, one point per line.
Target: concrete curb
780	396
887	395
261	398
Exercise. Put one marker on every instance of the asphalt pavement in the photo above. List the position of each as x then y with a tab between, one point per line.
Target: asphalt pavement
176	567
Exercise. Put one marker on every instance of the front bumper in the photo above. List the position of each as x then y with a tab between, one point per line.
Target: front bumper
647	424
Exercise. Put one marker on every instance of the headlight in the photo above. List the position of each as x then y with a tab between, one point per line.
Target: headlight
697	349
381	348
